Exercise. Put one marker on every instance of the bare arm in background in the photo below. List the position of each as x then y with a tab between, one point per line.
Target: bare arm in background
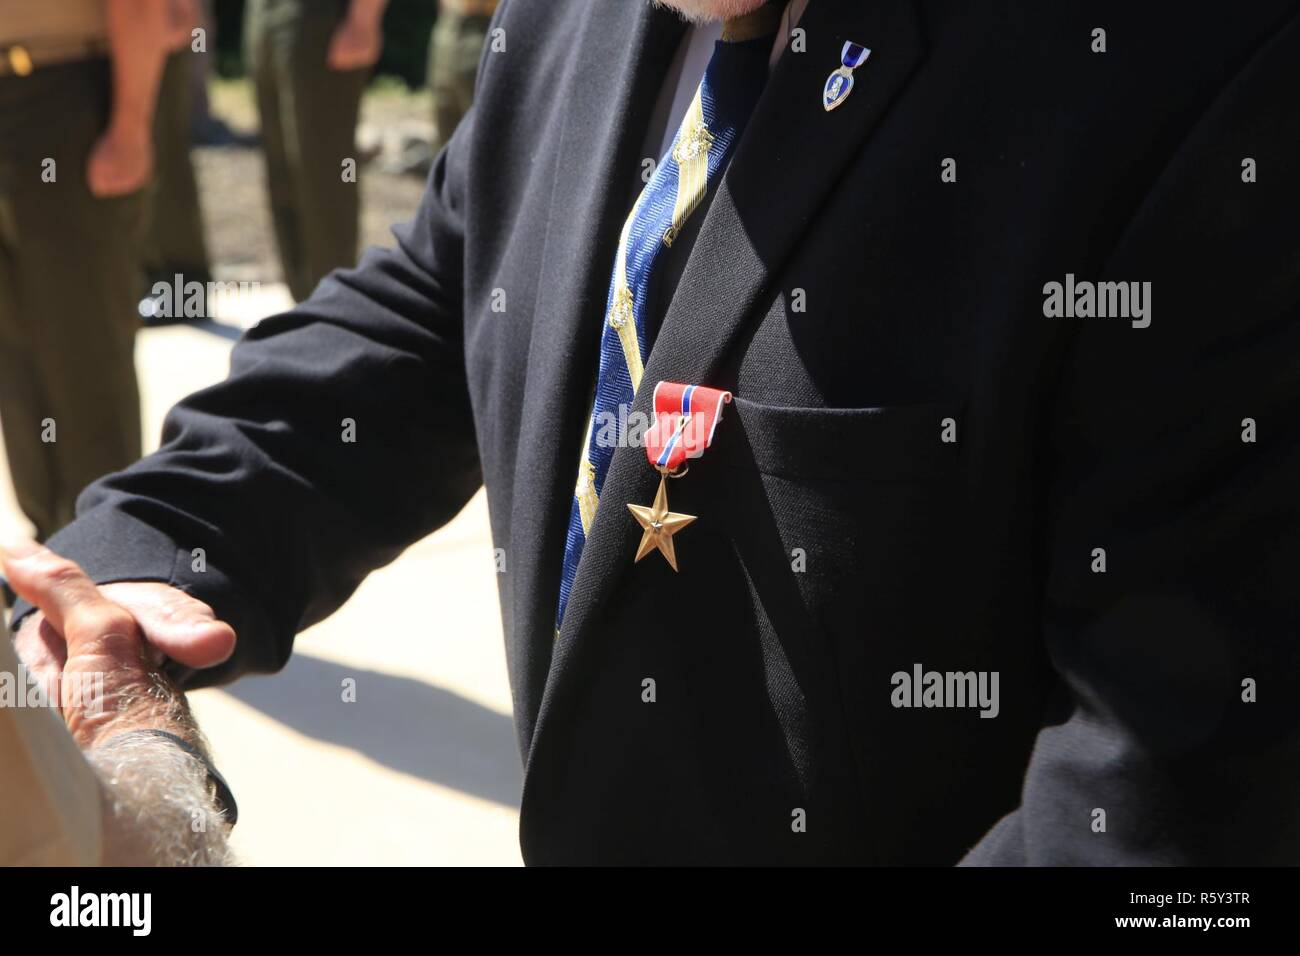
121	161
358	39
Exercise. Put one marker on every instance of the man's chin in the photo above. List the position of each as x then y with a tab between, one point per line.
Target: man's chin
707	11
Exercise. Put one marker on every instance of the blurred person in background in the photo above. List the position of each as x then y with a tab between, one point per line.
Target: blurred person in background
201	66
309	61
207	128
174	242
454	50
78	81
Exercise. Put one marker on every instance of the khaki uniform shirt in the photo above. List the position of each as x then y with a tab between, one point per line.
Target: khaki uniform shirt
33	22
49	796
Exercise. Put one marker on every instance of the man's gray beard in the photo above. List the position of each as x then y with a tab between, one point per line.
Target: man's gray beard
708	11
155	798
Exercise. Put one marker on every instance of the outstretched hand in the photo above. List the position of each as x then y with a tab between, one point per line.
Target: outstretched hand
119	633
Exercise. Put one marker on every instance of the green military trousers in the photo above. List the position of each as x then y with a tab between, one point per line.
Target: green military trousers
174	241
69	274
309	117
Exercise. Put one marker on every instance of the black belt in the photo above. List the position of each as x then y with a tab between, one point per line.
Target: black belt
21	59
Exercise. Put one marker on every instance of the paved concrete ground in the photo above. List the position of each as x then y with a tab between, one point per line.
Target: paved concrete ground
422	768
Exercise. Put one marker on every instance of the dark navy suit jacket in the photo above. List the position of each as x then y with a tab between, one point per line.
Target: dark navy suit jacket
854	301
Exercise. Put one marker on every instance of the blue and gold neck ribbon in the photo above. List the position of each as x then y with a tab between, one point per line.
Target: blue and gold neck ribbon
700	151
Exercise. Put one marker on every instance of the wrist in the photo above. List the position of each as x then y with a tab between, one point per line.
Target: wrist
366	14
367	26
222	796
130	126
121	701
155	789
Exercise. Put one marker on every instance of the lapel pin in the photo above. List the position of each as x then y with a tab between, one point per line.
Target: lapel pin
840	83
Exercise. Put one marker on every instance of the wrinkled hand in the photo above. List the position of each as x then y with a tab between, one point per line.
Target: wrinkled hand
118	633
120	162
354	45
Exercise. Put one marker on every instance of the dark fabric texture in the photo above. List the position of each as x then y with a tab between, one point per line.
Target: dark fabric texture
859	307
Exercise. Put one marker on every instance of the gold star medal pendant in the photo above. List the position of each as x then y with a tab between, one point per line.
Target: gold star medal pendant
685	419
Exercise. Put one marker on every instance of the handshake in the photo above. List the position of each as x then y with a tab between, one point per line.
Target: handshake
128	782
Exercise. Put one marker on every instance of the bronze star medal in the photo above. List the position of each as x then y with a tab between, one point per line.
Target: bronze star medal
684	419
659	525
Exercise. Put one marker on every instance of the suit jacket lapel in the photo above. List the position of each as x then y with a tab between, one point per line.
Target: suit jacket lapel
790	158
621	53
785	166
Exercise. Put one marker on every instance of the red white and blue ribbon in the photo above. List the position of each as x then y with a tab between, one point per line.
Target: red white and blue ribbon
686	417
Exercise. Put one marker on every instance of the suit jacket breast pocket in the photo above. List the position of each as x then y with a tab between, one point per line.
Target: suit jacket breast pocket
862	503
849	526
883	443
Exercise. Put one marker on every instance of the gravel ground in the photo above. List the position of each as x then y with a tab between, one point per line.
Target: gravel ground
232	179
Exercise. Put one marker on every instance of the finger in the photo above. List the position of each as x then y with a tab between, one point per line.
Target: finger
70	601
181	626
40	648
42	578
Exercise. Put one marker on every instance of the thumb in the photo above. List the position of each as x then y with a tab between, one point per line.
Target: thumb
181	626
54	585
90	624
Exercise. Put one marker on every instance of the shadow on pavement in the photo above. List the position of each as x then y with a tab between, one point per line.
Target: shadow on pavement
400	722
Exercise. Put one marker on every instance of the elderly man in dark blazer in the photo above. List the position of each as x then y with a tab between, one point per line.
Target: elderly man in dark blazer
996	540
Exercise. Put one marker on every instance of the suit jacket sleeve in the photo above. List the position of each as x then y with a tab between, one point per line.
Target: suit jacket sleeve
255	502
1176	449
